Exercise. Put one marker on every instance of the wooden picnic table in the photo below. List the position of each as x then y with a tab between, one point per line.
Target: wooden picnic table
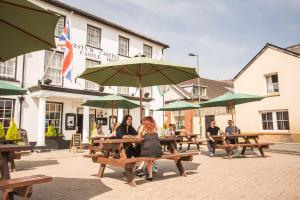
189	139
109	146
249	140
7	150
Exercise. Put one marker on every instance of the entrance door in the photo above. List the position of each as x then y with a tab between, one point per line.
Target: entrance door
208	119
79	123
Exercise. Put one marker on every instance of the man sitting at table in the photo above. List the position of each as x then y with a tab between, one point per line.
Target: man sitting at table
126	130
211	131
232	130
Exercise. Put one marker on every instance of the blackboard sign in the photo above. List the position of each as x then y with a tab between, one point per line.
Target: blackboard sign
76	142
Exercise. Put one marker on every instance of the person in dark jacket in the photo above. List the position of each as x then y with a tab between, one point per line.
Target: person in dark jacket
123	131
151	146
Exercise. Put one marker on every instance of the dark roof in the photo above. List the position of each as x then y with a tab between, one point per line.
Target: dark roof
268	45
103	21
294	48
214	88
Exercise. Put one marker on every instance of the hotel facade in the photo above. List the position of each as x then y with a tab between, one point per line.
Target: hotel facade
53	99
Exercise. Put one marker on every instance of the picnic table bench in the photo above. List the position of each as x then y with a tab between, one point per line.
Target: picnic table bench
221	142
189	139
120	145
17	186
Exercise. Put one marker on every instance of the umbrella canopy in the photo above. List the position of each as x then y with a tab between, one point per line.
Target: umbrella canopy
179	105
230	99
138	72
111	101
10	89
25	27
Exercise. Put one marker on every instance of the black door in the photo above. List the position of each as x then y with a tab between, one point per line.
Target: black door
79	123
208	119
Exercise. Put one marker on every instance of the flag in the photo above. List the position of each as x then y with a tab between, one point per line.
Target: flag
66	45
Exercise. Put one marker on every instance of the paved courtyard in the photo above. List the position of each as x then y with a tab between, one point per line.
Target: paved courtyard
274	177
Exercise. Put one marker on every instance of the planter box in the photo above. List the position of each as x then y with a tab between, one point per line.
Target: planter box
57	142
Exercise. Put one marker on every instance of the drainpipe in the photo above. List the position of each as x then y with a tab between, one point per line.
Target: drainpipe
21	98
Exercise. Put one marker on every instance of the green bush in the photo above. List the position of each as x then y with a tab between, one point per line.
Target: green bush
51	132
12	132
2	133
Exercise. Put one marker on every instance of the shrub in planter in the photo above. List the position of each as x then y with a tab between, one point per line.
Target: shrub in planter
51	132
2	133
12	132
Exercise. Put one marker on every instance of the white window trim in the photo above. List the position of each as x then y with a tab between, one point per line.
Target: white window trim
266	88
274	117
100	36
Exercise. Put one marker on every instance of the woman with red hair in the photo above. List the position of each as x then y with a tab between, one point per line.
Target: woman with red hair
151	146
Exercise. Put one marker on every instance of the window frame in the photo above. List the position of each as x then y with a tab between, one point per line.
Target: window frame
86	81
62	77
145	45
274	121
119	46
283	120
58	36
273	88
100	36
12	110
61	114
127	88
15	71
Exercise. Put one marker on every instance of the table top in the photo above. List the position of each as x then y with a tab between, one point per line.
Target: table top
135	140
236	135
13	147
190	135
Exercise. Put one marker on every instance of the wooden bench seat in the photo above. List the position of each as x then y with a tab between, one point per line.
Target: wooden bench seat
21	186
262	145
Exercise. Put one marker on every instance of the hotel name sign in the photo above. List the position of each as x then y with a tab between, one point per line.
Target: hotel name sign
96	54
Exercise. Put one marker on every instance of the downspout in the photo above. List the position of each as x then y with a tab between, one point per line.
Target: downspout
21	98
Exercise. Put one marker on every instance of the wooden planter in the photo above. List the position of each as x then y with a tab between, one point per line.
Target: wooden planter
57	142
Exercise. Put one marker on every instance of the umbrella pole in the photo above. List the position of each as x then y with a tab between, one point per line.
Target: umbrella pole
140	88
179	121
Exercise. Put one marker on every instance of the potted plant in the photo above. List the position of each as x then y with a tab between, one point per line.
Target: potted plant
55	140
2	132
12	132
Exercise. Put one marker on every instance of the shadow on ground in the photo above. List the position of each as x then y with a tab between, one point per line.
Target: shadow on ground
68	189
30	164
166	169
222	154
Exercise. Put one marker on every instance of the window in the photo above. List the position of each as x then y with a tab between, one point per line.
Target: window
54	115
89	84
8	68
6	111
93	36
147	51
123	46
53	71
60	26
272	83
282	118
203	90
147	92
122	90
275	120
267	121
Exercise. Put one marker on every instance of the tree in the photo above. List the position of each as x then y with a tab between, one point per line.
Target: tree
2	133
12	132
51	132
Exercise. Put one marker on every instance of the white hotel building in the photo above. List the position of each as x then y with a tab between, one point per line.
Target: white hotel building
95	40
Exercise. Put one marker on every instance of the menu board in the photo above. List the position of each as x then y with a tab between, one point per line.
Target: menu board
76	142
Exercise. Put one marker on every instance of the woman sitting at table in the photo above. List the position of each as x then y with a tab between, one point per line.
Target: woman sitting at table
151	146
125	131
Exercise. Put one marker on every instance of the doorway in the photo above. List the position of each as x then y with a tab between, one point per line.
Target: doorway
79	123
208	119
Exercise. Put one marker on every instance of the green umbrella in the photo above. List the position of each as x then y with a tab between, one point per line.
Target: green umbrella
178	106
231	99
111	101
138	72
10	89
25	27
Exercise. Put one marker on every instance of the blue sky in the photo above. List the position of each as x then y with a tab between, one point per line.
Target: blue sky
225	33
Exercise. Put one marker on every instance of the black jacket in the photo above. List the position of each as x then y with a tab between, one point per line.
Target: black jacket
122	130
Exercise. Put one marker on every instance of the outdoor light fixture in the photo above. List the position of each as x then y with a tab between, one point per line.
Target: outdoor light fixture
146	95
192	54
101	88
47	81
